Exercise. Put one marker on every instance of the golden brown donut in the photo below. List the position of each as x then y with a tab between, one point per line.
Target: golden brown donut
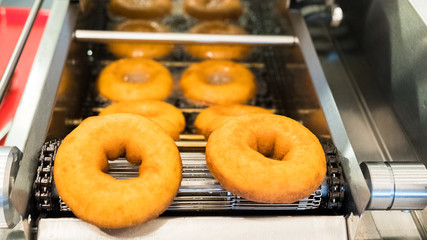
147	9
215	116
218	51
266	158
129	49
164	114
218	82
213	9
135	79
81	164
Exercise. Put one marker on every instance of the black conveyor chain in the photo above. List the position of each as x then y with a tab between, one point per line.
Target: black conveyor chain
334	177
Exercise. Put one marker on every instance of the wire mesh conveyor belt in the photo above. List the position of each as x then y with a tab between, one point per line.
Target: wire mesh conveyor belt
199	191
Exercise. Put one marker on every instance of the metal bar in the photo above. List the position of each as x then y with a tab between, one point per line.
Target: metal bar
13	61
196	144
184	38
32	117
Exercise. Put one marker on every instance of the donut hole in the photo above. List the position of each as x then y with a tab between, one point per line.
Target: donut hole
121	169
136	77
219	78
273	155
269	146
120	164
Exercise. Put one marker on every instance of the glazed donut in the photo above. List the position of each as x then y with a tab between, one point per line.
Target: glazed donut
214	117
218	82
266	158
81	164
147	9
135	79
218	51
164	114
213	9
129	49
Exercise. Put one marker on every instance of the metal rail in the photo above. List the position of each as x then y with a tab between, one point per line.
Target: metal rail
184	38
13	61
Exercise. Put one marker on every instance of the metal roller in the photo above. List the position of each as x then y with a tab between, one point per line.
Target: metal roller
396	186
9	164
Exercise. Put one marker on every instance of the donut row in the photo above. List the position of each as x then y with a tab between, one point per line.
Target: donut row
260	157
126	49
206	83
200	9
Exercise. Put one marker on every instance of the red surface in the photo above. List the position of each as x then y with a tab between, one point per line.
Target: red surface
12	21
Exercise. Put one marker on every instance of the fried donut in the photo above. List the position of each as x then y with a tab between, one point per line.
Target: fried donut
218	51
147	9
214	117
129	49
135	79
164	114
218	82
81	164
213	9
266	158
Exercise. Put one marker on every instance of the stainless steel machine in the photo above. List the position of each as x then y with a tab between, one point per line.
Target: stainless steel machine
311	64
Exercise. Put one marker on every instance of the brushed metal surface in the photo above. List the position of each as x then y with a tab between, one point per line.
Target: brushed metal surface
381	46
320	227
410	181
379	177
395	225
392	40
359	192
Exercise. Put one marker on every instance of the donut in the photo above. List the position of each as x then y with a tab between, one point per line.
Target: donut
81	164
147	9
218	82
218	51
135	79
132	49
213	9
266	158
164	114
215	116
